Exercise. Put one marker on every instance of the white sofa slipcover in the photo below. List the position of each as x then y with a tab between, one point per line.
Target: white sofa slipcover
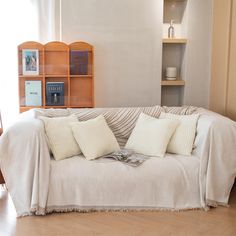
38	184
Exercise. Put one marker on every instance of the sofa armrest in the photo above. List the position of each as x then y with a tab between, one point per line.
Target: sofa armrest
216	147
25	164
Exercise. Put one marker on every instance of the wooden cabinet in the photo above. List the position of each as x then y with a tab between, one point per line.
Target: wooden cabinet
58	62
173	52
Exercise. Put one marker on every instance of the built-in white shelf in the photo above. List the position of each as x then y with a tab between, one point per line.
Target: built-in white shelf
174	40
172	83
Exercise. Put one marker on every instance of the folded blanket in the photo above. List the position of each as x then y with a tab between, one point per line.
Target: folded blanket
128	157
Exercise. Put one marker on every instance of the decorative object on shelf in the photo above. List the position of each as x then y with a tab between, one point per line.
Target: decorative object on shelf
33	93
171	73
55	94
30	61
171	30
79	62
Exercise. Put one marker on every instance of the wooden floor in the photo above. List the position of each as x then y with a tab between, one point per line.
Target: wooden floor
218	222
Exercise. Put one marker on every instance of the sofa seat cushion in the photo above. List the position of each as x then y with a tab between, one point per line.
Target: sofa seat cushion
105	184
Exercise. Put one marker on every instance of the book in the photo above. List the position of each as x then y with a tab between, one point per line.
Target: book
33	93
79	62
55	93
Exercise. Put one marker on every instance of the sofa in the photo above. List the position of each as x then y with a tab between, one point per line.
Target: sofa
38	184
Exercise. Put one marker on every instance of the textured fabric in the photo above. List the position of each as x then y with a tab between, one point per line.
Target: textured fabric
169	183
120	120
50	112
215	145
185	110
25	164
60	137
183	138
174	182
151	136
94	137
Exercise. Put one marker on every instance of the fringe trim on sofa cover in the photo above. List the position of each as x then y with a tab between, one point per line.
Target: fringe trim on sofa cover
89	209
212	203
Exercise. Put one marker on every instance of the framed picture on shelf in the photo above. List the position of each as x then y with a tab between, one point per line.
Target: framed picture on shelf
30	61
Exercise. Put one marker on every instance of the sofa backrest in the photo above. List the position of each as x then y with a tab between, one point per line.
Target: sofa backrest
120	120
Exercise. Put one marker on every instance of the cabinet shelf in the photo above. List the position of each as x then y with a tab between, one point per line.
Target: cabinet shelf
30	107
55	76
172	83
31	76
83	106
175	40
81	76
55	106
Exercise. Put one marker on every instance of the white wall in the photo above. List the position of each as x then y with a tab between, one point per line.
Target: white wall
126	35
198	53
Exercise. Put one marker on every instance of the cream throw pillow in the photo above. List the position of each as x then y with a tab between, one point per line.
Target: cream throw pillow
150	136
94	137
60	136
182	140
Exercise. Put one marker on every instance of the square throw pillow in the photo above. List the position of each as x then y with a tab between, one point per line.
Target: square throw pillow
60	137
150	136
94	137
183	138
